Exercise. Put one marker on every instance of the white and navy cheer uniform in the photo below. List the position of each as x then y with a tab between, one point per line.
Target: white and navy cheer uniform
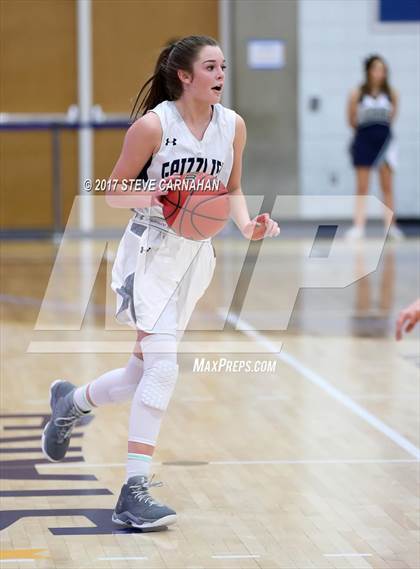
373	142
157	275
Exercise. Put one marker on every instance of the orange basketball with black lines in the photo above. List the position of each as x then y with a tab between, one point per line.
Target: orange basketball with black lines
196	205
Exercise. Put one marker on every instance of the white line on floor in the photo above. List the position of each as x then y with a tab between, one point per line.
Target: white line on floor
321	461
235	556
316	379
120	558
347	555
71	465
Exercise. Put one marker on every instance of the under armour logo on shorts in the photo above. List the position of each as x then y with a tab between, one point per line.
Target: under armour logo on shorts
173	141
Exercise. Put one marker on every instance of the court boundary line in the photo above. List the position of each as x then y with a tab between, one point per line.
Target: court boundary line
316	379
347	554
236	556
122	558
70	465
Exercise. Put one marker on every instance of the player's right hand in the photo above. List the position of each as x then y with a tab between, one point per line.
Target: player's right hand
157	195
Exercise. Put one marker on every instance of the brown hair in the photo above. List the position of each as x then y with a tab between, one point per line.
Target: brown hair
366	87
165	83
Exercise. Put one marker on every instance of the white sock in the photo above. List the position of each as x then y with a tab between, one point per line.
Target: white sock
112	387
138	465
145	421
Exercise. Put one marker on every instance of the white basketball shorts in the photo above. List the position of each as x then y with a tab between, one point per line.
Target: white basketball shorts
159	277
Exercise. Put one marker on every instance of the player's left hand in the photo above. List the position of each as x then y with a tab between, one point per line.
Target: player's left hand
407	319
260	227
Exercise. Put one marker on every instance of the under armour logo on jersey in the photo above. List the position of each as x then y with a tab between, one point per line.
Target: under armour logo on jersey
168	141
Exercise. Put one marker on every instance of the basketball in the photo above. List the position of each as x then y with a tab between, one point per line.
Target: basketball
196	205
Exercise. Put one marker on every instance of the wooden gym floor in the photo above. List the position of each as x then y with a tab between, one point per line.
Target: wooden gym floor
313	464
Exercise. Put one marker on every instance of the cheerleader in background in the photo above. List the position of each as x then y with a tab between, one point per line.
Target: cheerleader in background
371	112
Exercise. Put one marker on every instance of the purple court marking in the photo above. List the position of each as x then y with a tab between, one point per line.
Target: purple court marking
23	415
25	469
30	438
32	449
63	492
23	427
100	517
82	422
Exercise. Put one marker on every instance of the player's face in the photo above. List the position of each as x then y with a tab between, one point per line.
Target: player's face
377	72
208	74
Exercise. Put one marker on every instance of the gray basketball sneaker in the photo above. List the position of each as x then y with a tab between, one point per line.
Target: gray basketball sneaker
136	508
57	432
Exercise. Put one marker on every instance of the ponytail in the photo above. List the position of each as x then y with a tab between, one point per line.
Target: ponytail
158	90
165	85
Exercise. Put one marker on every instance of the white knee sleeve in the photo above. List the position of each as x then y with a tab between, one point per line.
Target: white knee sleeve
160	370
158	384
155	389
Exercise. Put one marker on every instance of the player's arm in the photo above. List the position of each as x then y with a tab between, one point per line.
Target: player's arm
238	206
407	319
262	225
394	102
352	108
141	141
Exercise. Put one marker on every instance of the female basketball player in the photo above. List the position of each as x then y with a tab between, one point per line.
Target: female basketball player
371	111
157	275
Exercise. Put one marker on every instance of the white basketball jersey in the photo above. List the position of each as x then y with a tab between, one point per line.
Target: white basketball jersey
181	152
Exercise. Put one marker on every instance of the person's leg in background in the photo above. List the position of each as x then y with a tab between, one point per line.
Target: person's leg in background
357	231
386	179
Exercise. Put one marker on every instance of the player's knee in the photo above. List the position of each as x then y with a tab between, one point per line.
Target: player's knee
158	384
